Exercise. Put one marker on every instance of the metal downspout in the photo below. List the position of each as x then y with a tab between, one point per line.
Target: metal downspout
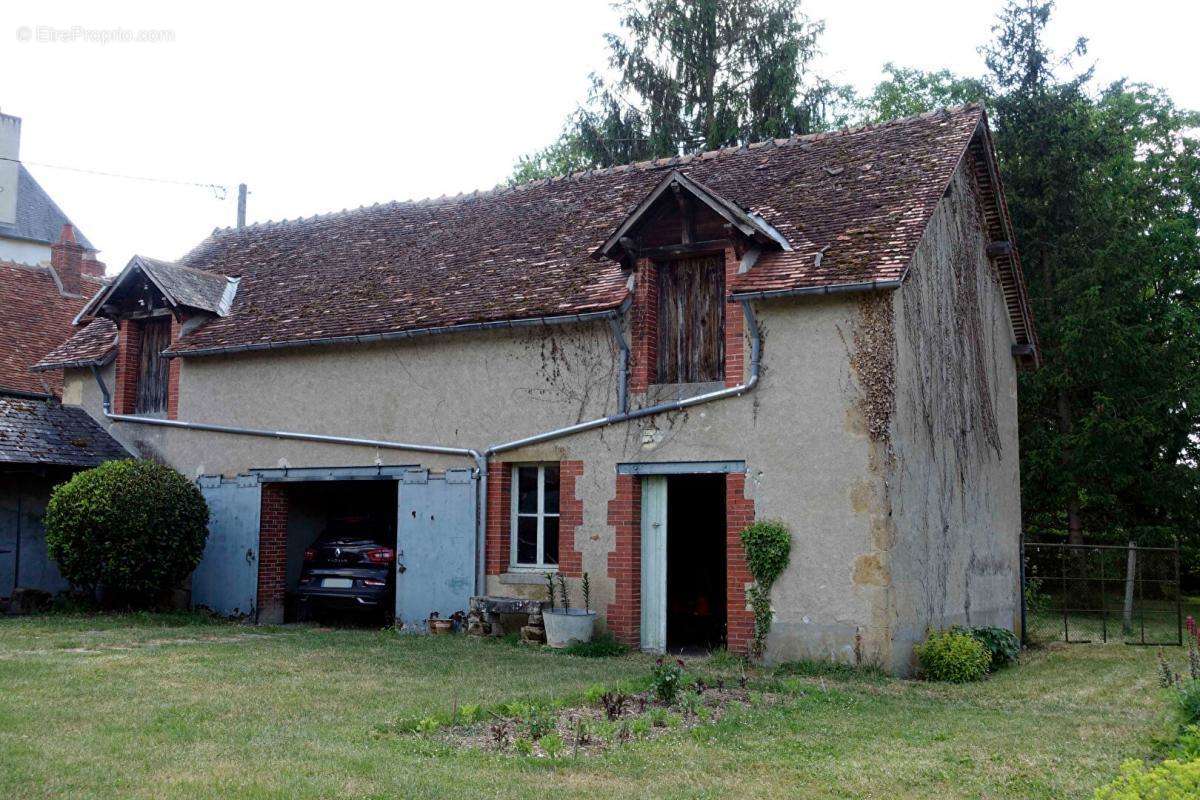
622	366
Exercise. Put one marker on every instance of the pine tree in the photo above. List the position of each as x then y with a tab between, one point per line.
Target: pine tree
695	75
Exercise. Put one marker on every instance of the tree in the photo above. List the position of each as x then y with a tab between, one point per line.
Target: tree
1103	197
906	92
693	76
1104	191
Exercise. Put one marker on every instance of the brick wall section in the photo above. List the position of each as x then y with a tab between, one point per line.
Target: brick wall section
272	553
735	339
570	519
66	257
739	512
499	521
173	367
643	362
624	615
128	358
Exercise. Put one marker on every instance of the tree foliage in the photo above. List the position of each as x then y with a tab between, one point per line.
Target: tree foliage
1104	189
687	77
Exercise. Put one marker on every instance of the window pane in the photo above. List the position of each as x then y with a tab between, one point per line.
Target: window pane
550	550
551	490
527	490
526	540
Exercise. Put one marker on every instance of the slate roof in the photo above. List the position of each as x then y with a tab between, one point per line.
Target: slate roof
38	219
852	205
35	318
94	345
47	432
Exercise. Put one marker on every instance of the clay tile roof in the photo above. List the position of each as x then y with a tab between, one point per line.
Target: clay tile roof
35	318
861	198
94	345
46	432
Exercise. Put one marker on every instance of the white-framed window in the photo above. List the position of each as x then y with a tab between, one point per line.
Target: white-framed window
534	529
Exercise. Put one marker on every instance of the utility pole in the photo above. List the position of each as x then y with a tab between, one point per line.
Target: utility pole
241	212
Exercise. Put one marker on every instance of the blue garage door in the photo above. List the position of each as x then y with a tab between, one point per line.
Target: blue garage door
227	579
435	545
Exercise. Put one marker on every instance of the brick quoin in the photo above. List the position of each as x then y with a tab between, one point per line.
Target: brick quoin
739	513
129	347
735	339
272	553
173	375
624	615
643	361
499	521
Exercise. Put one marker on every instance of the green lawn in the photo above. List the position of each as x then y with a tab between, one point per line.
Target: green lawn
172	706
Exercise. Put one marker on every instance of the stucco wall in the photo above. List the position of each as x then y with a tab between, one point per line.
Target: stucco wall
951	454
799	433
869	435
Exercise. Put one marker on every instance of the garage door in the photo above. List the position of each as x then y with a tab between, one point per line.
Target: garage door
227	579
435	545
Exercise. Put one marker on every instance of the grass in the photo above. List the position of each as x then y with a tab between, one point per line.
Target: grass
173	706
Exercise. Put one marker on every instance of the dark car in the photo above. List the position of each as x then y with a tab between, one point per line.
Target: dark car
348	570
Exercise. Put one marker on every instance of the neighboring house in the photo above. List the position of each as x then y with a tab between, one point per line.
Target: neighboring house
635	363
42	442
30	222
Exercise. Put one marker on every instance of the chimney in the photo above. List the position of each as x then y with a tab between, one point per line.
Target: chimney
66	257
92	266
10	152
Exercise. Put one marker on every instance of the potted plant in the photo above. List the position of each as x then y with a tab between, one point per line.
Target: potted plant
564	624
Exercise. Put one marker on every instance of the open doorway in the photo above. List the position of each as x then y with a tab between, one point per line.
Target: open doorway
341	544
695	563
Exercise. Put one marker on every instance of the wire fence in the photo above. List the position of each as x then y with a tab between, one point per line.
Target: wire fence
1101	593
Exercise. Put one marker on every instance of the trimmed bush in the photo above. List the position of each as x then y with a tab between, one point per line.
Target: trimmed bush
134	529
1002	644
953	657
1170	780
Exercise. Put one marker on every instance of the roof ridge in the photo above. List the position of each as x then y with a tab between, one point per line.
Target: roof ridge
639	166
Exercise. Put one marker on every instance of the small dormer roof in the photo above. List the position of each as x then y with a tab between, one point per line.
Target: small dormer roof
182	288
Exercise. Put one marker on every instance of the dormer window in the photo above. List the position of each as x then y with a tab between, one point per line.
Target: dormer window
691	319
153	368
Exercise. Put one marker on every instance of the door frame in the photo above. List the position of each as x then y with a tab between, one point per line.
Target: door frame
654	527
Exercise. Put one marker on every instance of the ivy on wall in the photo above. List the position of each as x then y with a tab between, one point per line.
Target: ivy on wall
768	545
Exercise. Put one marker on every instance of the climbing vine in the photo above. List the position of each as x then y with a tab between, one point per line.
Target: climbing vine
768	545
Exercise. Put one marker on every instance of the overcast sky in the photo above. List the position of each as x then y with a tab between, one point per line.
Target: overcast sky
367	103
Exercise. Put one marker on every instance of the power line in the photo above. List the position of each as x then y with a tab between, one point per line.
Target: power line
218	189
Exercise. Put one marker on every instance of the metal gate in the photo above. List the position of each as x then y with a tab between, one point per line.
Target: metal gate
435	545
226	581
1100	593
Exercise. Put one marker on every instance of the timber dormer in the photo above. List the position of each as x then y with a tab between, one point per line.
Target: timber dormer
685	244
153	303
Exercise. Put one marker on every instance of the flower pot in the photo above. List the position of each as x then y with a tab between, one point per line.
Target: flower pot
441	627
566	626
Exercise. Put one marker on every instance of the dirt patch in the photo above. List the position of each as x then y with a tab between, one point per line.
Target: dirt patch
591	729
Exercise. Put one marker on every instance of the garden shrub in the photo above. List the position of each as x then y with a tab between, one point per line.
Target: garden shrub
953	657
133	528
768	545
1002	644
1170	780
